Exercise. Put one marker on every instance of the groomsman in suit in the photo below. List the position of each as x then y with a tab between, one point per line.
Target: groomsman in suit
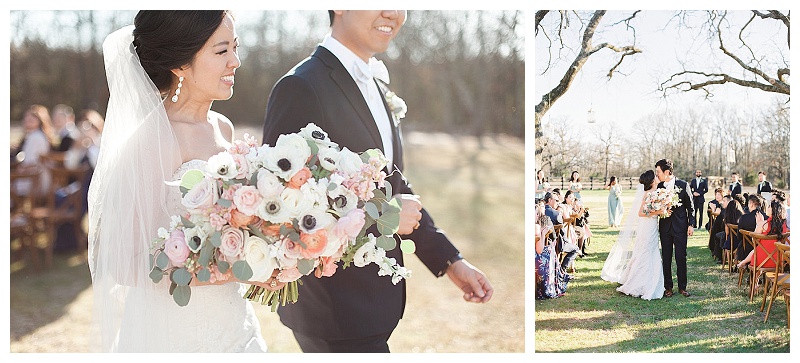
342	89
735	187
699	186
764	188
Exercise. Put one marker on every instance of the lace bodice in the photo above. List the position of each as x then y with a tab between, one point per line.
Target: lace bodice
174	201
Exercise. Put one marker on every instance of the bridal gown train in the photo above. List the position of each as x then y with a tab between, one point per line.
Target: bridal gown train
643	276
217	318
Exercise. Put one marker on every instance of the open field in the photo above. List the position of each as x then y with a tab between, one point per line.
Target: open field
594	317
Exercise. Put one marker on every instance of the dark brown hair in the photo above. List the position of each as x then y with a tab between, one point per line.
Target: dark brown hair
647	179
169	39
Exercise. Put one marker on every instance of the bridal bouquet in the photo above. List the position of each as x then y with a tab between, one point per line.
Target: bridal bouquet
300	207
659	199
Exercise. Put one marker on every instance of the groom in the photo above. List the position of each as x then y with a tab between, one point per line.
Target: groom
336	88
675	229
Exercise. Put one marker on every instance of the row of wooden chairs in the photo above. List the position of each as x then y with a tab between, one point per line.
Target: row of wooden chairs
37	215
773	266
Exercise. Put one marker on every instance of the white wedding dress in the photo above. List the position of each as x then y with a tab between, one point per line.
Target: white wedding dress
635	260
217	318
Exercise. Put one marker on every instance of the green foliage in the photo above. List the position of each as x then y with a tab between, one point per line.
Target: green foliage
181	277
181	295
242	270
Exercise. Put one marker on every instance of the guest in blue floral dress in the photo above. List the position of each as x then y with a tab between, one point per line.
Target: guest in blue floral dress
551	281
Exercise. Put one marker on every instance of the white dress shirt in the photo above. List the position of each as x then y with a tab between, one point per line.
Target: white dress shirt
369	90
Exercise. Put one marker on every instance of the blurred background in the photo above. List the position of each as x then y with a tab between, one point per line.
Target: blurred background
461	74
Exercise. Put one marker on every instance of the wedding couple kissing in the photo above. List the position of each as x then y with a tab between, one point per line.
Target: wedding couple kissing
662	213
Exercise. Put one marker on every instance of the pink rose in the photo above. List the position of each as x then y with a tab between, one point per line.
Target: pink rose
202	196
350	225
327	267
232	244
299	178
247	199
217	221
175	247
229	191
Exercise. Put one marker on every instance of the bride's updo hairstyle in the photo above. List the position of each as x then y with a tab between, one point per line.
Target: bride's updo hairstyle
647	178
169	39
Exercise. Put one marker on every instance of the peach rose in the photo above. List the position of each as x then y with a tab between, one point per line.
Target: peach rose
272	230
289	275
175	247
299	178
247	199
315	243
326	268
240	220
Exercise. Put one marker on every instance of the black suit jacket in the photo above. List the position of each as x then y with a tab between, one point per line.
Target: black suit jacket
682	216
701	189
766	188
354	302
735	188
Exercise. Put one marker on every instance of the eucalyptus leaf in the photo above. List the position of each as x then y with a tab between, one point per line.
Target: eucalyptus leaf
371	210
205	255
388	187
204	275
388	223
254	179
162	260
388	243
216	239
224	203
332	186
183	190
256	231
181	295
305	266
191	177
156	275
223	266
172	287
186	223
408	246
295	237
181	277
242	270
378	196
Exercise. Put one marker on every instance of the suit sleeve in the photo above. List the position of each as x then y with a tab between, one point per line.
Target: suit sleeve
292	105
689	203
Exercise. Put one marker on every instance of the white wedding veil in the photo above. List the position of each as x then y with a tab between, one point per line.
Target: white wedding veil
621	252
127	195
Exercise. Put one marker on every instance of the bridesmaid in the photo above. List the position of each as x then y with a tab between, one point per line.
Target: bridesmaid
575	184
614	202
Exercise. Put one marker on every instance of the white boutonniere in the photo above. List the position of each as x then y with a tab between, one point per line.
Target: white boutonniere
396	105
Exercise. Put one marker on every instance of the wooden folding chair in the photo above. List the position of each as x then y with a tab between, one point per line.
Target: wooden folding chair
746	241
778	280
759	266
729	254
24	187
69	210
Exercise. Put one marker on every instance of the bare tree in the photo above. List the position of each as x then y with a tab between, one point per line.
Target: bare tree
587	48
757	68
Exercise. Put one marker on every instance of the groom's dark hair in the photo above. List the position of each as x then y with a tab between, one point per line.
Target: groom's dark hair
665	164
647	179
330	15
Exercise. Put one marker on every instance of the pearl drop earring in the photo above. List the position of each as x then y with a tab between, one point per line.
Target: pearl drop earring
178	91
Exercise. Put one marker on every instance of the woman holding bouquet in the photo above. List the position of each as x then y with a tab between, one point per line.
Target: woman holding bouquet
163	74
635	260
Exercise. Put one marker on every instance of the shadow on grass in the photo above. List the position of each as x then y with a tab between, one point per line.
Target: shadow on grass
40	298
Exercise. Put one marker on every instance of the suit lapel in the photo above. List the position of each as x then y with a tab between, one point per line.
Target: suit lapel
397	141
351	91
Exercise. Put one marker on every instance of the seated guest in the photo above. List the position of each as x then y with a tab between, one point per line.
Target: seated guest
36	142
733	212
551	281
745	205
563	244
776	225
714	207
568	209
748	221
64	124
717	232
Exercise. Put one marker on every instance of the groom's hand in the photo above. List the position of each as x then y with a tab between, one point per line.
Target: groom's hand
410	213
690	232
471	281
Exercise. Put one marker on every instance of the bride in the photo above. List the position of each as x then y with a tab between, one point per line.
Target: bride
635	260
163	74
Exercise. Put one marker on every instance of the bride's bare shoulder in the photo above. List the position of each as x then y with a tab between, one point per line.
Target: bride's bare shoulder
225	125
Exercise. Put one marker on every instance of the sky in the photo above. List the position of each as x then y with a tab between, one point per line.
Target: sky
631	95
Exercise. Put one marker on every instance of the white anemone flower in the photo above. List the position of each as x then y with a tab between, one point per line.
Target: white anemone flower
314	132
222	166
343	200
287	157
272	210
328	158
315	219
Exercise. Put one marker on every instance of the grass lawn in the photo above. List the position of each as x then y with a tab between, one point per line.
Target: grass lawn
483	215
593	317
